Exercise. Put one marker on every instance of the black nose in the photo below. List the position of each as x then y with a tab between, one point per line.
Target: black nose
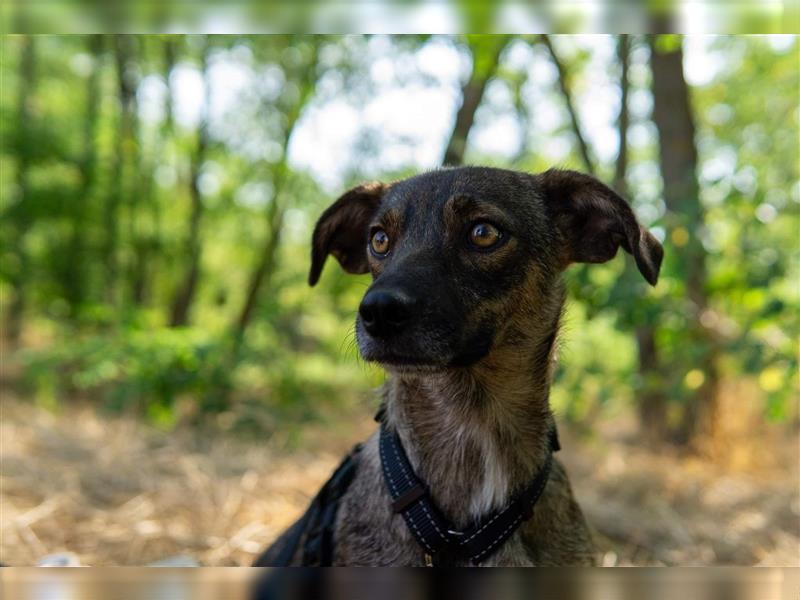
385	312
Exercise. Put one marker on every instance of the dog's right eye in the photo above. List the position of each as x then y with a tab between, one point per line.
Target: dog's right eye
379	242
484	235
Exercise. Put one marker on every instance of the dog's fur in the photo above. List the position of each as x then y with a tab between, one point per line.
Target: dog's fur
471	368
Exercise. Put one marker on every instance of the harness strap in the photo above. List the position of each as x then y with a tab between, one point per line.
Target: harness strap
432	531
319	545
312	534
409	496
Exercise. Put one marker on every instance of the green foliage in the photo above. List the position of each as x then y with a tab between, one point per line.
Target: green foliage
164	374
747	124
96	205
144	371
592	352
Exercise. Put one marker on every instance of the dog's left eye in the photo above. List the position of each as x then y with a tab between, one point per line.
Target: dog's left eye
484	235
379	242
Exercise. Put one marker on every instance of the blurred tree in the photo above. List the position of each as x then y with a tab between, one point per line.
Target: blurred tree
564	86
149	243
120	192
187	289
650	392
304	72
76	272
485	51
623	120
672	114
22	210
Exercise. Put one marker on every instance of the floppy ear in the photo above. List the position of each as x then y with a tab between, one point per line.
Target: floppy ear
342	230
594	221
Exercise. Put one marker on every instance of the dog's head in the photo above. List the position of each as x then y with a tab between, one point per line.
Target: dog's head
456	254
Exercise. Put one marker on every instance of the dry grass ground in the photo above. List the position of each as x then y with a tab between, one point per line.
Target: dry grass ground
116	492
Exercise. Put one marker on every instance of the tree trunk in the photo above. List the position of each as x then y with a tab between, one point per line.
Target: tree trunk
140	198
651	400
651	397
265	266
123	52
523	115
623	120
185	295
566	93
673	117
266	262
484	66
19	272
151	251
76	271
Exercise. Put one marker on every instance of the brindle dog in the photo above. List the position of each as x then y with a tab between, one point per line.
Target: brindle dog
463	312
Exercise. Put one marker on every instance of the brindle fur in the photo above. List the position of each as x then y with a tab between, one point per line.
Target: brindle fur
470	375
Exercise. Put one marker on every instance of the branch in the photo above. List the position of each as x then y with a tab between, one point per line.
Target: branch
583	147
623	120
471	95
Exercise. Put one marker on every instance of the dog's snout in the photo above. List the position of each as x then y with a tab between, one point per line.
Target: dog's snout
386	312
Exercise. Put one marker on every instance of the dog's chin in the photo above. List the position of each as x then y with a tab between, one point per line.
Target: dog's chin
413	369
404	364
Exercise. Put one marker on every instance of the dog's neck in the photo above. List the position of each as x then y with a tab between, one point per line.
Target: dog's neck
478	435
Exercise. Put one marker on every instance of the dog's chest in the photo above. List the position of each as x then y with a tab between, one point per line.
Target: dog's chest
369	533
493	490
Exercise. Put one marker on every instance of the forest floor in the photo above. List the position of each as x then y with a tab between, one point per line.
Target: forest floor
115	491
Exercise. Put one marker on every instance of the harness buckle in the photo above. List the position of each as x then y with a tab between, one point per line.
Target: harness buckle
405	500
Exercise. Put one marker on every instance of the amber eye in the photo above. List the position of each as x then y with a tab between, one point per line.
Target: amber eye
379	242
484	235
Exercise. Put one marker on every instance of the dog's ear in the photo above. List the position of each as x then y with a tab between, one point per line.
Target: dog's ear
594	221
342	230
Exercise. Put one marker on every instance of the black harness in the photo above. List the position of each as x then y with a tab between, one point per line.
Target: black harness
439	540
315	527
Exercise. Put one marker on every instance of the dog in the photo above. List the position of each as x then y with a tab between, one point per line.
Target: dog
463	313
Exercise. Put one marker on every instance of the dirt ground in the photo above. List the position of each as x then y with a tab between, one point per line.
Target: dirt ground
114	491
